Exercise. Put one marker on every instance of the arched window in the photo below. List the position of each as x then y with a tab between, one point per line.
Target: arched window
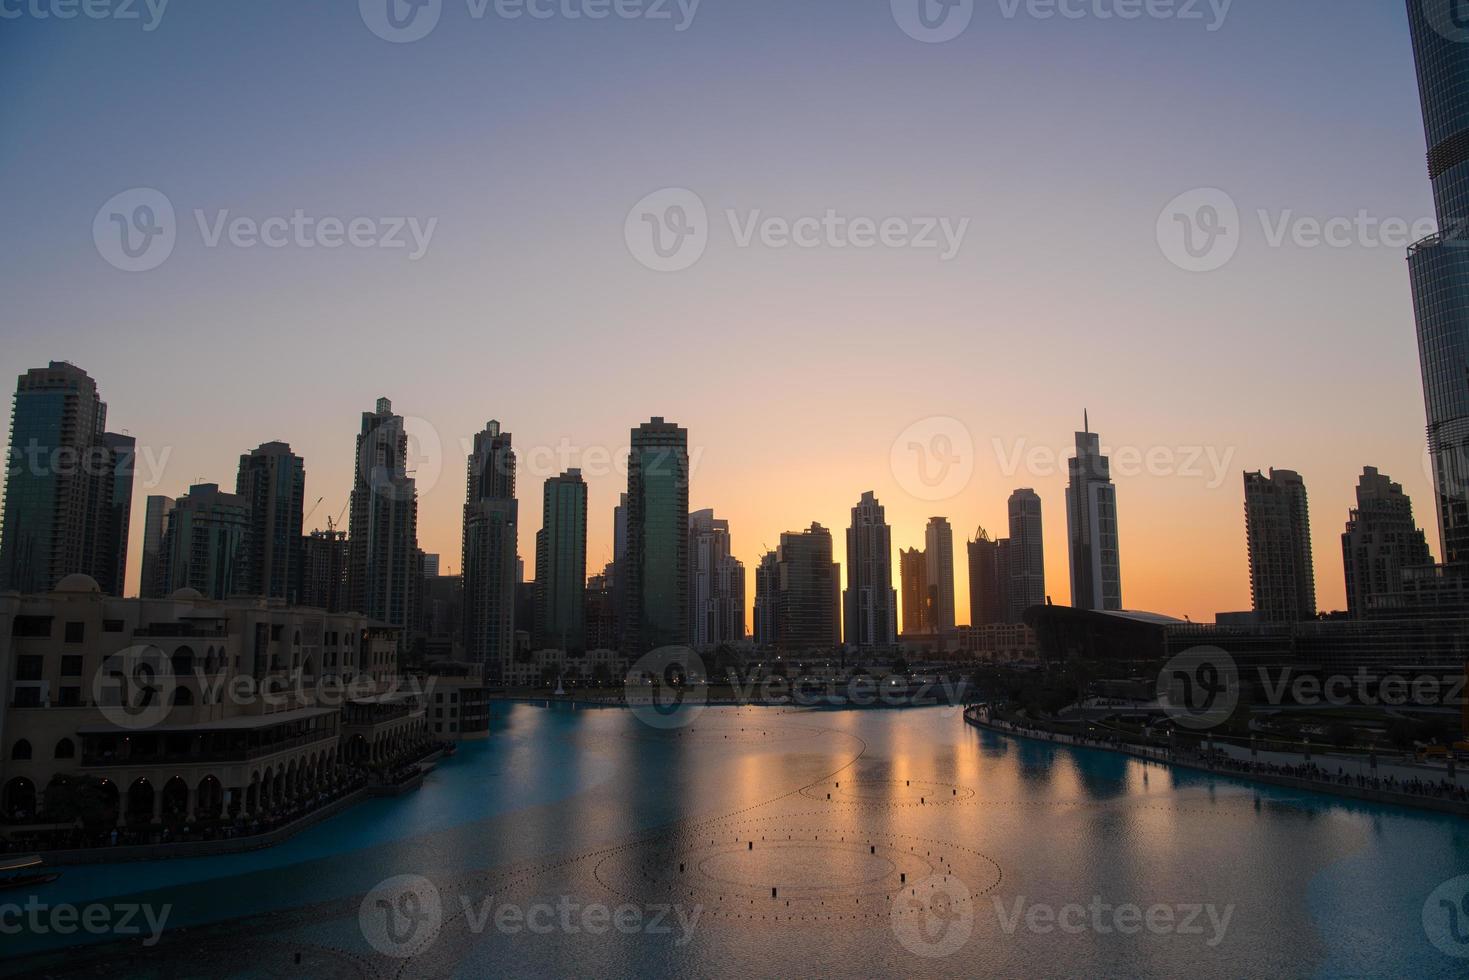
183	662
20	751
183	696
66	749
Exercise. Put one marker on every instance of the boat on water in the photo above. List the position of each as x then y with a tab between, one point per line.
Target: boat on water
22	873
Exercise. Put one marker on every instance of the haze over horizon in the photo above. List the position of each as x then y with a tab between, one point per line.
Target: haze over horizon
795	370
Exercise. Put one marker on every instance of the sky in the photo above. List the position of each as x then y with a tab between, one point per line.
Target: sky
1067	156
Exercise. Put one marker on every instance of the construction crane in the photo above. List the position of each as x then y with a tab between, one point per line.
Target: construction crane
312	510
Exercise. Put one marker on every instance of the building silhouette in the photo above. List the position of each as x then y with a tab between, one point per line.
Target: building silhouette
917	602
1091	527
1278	531
382	568
939	556
1381	540
324	559
656	582
1438	267
68	488
986	606
870	603
489	557
1023	554
561	565
716	584
155	518
272	479
206	543
797	589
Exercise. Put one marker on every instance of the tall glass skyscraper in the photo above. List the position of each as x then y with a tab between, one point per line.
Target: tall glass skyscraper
1438	266
382	571
870	603
68	486
1022	556
938	554
561	565
655	590
489	559
273	480
1091	525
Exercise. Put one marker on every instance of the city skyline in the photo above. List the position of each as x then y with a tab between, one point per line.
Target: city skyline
1184	367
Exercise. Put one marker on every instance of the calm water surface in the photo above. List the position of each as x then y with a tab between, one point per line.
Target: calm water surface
840	812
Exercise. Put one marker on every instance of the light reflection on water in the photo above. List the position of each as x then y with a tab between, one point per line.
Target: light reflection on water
593	805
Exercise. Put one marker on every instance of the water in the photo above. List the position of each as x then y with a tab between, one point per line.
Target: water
570	815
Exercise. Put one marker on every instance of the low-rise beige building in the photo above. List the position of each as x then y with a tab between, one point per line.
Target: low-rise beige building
187	710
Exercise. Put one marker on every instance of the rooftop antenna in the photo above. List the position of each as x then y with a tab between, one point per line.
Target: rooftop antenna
1086	425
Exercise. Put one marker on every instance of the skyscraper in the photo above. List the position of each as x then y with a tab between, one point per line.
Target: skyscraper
1008	612
716	584
1091	526
917	602
324	559
273	480
382	570
1025	555
68	488
767	587
1380	540
561	565
657	556
806	585
984	581
1278	530
870	601
491	517
206	542
155	519
939	552
1438	266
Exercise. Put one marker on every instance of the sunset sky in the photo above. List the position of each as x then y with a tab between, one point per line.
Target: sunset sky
528	141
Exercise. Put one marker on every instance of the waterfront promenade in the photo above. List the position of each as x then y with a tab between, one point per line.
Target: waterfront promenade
1319	774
